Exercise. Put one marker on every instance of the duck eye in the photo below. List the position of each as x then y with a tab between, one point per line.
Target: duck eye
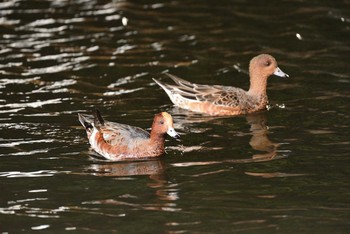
267	63
161	122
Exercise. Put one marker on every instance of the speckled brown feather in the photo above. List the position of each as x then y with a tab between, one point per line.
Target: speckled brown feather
224	100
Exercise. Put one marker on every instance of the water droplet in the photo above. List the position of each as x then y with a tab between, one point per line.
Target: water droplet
125	21
41	227
281	106
298	36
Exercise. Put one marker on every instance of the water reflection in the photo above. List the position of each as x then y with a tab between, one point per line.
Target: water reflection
259	140
128	168
154	168
60	57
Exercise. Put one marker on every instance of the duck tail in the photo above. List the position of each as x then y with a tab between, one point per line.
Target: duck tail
98	120
86	121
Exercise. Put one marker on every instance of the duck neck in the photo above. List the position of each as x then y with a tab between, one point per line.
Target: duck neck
257	86
157	140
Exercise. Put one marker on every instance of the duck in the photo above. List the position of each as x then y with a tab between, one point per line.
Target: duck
218	100
116	141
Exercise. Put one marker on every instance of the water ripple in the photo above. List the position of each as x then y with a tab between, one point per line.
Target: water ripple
35	104
18	142
49	70
56	87
20	174
61	57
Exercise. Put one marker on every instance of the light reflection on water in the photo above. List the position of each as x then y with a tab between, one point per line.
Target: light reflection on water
275	170
18	174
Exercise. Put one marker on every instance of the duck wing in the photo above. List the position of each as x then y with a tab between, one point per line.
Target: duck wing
216	94
113	133
116	133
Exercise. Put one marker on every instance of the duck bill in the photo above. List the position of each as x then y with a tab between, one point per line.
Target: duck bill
280	73
171	132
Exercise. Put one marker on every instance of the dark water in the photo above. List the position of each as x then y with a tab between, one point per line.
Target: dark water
285	170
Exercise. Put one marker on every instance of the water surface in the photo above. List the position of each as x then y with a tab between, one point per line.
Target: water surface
284	170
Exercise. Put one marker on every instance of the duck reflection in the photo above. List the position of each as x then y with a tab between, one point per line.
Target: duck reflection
154	168
128	168
259	140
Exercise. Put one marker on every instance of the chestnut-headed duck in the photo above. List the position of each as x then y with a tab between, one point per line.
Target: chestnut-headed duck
116	141
220	100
